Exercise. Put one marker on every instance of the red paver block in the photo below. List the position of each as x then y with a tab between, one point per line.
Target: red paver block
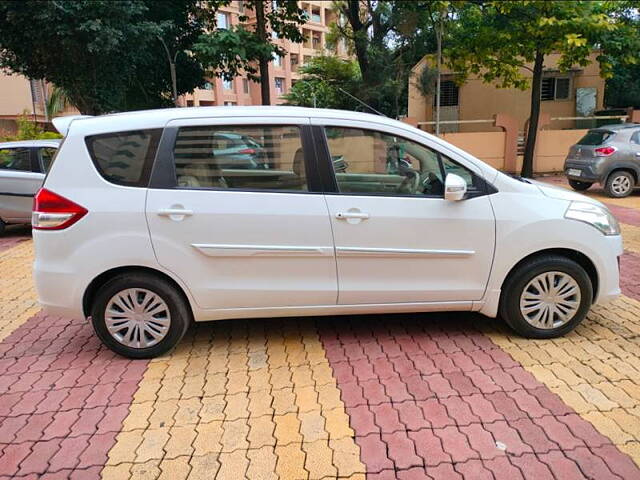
483	382
96	453
531	467
429	447
591	465
411	415
506	406
363	370
562	467
418	388
461	383
559	433
443	471
401	450
535	434
483	408
68	456
435	413
439	385
456	444
34	427
9	426
528	403
113	418
460	411
617	461
481	441
374	392
373	453
52	400
12	456
362	420
584	430
396	389
38	460
509	437
474	469
503	468
25	403
60	427
386	418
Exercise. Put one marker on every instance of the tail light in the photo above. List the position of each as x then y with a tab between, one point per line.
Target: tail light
247	151
54	212
604	151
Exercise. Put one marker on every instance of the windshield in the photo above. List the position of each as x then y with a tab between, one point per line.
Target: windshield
595	137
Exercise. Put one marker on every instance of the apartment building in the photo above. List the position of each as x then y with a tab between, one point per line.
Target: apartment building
283	71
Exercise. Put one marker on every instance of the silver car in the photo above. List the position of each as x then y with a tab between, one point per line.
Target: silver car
608	155
23	166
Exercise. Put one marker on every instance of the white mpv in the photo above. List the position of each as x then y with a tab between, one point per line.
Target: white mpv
148	221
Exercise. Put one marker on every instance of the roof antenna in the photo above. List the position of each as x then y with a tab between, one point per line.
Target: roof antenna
361	102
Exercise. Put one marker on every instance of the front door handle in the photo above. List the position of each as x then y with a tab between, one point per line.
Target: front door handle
347	215
168	212
177	213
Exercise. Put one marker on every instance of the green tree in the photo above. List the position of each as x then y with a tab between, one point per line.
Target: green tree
499	41
229	52
105	55
388	39
325	79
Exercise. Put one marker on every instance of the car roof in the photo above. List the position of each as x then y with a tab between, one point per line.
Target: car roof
158	118
31	143
616	126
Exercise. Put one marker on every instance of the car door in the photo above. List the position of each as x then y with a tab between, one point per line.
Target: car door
635	146
396	238
19	180
242	237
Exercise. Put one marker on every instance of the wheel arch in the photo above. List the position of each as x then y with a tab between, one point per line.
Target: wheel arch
623	167
104	277
578	257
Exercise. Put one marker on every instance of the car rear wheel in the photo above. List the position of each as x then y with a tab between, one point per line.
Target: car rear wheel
138	315
546	297
579	186
619	184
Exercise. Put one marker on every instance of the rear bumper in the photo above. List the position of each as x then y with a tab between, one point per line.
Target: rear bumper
588	173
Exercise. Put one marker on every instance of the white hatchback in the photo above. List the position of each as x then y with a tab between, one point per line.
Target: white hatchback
151	220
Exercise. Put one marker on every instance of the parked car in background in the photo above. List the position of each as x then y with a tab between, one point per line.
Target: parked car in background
607	155
23	166
359	214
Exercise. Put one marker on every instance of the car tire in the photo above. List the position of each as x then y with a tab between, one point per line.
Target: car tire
580	186
170	321
619	184
2	225
517	303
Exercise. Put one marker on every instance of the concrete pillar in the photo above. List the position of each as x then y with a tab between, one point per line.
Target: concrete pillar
509	126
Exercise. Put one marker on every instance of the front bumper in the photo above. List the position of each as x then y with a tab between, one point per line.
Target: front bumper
587	172
609	270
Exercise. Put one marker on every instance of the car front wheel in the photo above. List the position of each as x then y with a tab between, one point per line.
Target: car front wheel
546	297
138	315
580	186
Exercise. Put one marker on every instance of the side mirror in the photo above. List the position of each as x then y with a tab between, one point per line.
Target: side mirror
454	187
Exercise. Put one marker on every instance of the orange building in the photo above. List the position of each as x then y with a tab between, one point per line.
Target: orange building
576	93
283	71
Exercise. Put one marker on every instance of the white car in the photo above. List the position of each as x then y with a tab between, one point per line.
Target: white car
22	169
140	228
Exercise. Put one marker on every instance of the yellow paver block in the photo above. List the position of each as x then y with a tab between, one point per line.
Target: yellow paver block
19	300
594	369
239	398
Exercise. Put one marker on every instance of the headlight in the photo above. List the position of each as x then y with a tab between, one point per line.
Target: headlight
599	217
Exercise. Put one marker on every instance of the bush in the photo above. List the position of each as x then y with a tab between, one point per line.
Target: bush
28	130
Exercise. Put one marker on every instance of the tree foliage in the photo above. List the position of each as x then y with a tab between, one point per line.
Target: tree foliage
325	79
106	55
230	52
387	39
507	43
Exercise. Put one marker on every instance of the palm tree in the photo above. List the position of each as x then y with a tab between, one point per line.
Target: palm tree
57	102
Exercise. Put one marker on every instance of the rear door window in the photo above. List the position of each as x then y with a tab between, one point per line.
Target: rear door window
595	137
125	158
16	159
256	157
45	157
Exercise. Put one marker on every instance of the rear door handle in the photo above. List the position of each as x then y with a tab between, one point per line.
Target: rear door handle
347	215
170	212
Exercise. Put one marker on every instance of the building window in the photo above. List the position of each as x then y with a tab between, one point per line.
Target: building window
227	84
315	15
294	58
277	60
208	86
230	104
222	20
245	86
449	94
555	88
189	103
279	85
316	40
241	6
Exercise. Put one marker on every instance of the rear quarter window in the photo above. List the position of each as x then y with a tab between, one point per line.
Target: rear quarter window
595	137
124	158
